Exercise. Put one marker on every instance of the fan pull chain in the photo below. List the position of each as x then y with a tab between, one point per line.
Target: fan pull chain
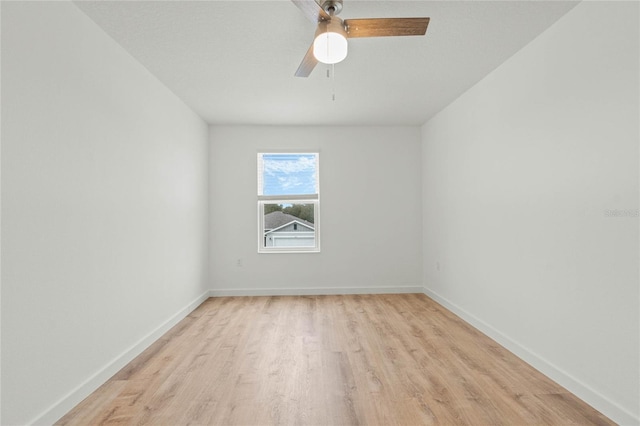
331	73
333	82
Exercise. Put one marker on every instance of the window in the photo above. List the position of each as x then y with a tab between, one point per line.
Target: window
288	202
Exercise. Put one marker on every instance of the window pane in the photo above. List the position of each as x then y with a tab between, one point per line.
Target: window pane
288	174
289	225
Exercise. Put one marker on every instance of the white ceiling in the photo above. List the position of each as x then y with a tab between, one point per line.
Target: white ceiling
233	62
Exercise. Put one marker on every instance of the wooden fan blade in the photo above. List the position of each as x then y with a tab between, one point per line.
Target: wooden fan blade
385	27
308	63
312	10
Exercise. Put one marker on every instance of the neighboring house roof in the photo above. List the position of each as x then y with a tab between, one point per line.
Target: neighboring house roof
275	220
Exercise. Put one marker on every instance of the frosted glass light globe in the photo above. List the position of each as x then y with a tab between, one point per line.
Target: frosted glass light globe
330	47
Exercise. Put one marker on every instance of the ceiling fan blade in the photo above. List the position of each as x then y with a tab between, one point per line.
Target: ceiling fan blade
312	10
308	63
384	27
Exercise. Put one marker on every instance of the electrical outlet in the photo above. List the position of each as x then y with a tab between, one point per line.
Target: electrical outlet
239	263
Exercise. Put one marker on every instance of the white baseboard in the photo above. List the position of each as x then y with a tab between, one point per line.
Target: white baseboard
313	291
575	386
73	398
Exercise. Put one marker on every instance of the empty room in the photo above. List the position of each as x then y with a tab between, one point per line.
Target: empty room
320	213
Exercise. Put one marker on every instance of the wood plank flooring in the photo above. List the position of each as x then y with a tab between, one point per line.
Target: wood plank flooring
328	360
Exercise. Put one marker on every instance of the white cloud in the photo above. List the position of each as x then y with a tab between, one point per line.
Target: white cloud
293	165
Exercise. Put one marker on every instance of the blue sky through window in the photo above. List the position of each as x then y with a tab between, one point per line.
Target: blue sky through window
289	174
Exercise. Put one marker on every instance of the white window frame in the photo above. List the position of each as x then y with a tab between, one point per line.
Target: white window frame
313	199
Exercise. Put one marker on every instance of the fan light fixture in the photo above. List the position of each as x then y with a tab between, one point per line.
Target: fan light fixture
330	45
330	42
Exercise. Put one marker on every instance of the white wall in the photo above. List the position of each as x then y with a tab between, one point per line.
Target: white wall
518	176
104	208
370	211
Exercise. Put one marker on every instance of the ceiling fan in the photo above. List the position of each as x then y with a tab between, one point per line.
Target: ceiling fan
330	42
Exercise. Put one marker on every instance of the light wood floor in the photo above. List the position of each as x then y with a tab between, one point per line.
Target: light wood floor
328	360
